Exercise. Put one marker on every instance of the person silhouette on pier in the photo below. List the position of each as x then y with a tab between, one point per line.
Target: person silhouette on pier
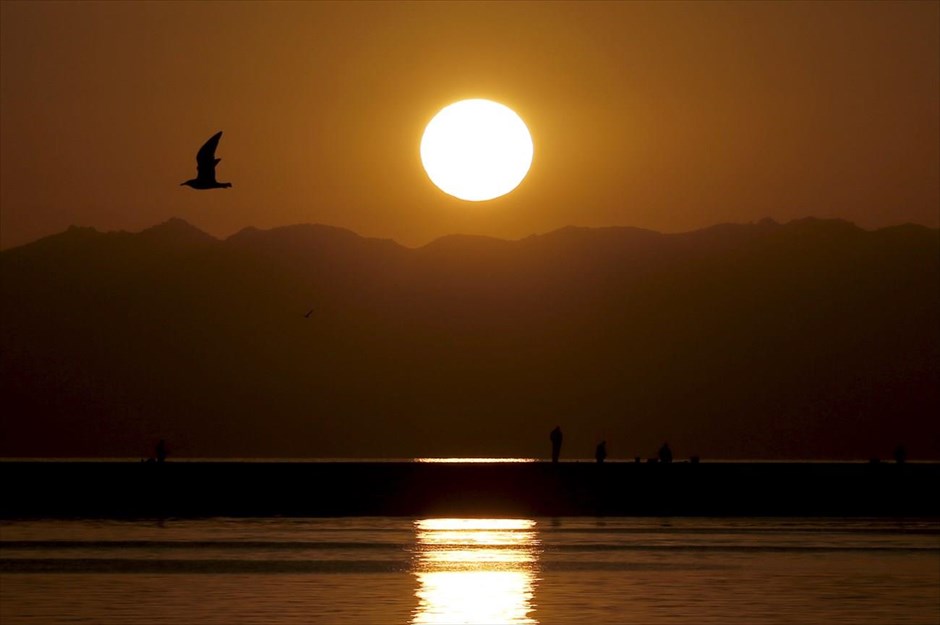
665	454
900	454
556	437
600	452
161	451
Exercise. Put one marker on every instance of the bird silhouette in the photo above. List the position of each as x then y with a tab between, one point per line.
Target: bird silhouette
205	166
309	312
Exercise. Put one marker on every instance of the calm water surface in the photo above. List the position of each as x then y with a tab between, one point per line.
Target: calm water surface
506	571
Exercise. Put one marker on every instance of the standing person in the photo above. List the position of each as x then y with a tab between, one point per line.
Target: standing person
665	454
556	437
161	451
600	452
900	454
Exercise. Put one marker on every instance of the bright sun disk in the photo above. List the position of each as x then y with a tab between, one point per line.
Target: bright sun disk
476	150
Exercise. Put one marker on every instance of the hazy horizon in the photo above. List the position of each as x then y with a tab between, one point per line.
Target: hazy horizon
250	228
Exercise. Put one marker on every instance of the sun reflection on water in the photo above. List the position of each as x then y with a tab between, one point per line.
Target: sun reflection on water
475	571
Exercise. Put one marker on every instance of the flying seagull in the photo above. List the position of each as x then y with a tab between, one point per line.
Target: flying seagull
205	166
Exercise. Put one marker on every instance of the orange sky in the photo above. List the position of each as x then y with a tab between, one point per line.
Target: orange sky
667	116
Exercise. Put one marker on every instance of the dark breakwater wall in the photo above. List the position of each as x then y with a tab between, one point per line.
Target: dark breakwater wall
190	489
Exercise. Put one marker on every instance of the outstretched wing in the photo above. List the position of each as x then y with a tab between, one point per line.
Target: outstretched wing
205	158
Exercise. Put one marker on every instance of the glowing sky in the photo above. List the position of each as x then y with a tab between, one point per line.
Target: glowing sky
668	116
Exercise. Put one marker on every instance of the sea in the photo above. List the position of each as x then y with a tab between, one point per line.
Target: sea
549	571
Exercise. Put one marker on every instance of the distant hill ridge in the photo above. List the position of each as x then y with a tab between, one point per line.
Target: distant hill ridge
179	229
811	339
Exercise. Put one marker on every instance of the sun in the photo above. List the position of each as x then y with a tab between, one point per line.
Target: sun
476	150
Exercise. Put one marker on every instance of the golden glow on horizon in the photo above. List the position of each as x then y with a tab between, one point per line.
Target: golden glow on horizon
475	571
476	150
473	460
475	524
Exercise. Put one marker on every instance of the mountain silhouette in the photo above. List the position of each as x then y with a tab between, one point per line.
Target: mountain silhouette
812	339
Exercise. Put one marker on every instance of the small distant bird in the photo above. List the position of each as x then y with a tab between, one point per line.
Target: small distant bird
309	312
205	166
